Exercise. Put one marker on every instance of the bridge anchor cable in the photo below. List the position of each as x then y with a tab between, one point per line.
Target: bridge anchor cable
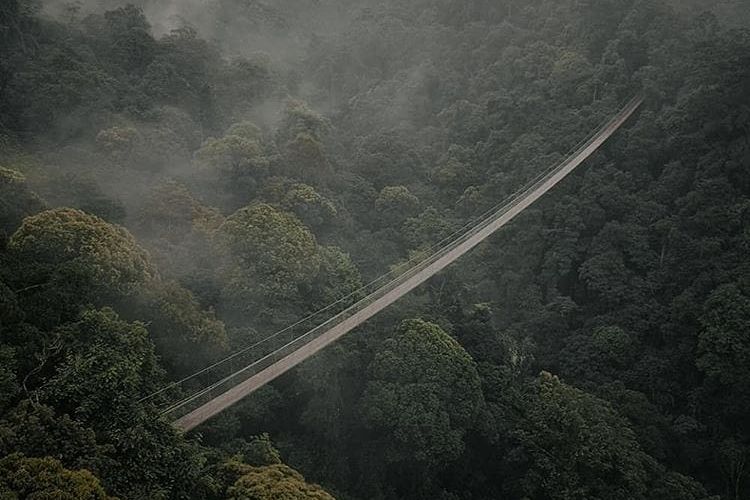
204	404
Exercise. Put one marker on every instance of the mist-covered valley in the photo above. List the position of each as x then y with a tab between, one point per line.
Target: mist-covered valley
188	186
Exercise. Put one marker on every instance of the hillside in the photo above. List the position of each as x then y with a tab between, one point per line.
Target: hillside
178	180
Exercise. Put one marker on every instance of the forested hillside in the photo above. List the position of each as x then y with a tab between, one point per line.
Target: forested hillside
180	179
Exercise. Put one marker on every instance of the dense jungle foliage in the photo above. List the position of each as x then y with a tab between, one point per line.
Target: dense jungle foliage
179	179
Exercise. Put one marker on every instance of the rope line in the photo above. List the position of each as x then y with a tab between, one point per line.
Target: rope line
470	227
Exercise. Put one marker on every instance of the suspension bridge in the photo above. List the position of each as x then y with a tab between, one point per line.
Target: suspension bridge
250	368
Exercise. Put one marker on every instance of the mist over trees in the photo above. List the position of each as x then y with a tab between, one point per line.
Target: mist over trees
179	179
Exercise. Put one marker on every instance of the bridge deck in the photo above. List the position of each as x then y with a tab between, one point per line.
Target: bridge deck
363	310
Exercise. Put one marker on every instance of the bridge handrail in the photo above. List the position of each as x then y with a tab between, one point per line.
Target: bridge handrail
186	405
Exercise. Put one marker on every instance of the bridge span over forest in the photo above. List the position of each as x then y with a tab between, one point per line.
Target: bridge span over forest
250	368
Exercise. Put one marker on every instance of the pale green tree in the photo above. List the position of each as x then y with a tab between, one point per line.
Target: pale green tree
22	477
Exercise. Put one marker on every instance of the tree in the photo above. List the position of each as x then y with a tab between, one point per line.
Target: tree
22	477
723	345
178	231
598	357
337	278
576	445
186	336
427	229
387	159
312	208
16	200
271	253
723	352
395	204
305	159
36	431
171	212
261	451
301	136
10	311
8	383
59	87
118	142
149	459
69	258
130	43
244	83
234	164
572	76
239	150
275	482
671	485
423	394
298	119
107	366
481	339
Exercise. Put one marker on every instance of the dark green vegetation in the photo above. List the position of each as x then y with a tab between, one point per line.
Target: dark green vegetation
166	199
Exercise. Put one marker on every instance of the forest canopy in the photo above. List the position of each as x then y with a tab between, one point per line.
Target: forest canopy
181	179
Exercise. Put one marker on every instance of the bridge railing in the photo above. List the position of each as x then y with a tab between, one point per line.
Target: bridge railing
252	361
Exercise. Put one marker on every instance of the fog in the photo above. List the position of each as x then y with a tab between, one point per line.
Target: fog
188	187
